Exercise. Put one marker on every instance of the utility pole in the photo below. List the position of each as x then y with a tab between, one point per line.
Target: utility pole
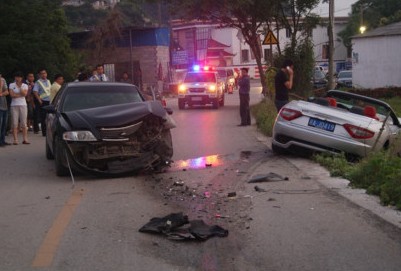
331	44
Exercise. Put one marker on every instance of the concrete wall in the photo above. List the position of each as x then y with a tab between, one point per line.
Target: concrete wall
376	62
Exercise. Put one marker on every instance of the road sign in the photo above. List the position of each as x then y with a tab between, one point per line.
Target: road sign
270	39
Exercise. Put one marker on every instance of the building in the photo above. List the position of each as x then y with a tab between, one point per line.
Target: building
376	57
196	41
102	4
143	53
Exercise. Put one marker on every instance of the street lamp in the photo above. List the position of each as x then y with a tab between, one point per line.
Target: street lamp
362	28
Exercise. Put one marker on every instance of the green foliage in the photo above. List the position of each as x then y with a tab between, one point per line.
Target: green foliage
337	165
270	76
302	56
395	104
265	114
33	34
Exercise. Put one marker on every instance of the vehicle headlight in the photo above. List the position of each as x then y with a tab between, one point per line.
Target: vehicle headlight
79	136
212	88
182	89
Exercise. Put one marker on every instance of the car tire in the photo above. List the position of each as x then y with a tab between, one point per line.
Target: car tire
164	150
59	151
222	101
215	103
49	154
278	150
181	104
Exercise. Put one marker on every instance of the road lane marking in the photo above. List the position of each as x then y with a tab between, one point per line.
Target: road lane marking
45	254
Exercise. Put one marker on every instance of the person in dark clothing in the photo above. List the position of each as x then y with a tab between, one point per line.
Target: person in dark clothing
283	83
244	89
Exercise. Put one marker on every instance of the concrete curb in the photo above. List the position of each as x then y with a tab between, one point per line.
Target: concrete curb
341	187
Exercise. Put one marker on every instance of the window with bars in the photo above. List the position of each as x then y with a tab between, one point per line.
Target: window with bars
325	51
245	55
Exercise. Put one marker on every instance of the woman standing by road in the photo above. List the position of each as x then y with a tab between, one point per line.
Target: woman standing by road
19	110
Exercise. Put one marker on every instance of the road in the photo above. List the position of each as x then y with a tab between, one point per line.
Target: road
51	223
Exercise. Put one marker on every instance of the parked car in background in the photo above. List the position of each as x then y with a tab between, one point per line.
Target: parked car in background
107	128
344	79
341	122
319	79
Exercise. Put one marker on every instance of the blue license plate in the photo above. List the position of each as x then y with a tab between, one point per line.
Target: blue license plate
322	124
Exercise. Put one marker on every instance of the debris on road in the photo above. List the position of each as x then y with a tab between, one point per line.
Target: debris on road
175	226
270	177
258	189
232	194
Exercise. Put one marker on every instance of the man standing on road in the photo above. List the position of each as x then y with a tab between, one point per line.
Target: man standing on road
41	90
244	89
283	83
3	111
100	75
58	82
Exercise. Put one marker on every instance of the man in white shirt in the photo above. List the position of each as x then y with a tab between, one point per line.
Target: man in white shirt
100	75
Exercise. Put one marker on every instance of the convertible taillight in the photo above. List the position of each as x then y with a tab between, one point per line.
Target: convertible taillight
290	114
358	132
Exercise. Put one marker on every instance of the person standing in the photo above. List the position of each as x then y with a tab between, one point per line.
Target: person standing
41	90
244	85
100	75
19	111
58	82
30	100
283	82
125	78
3	111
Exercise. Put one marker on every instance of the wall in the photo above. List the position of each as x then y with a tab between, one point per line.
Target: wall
376	62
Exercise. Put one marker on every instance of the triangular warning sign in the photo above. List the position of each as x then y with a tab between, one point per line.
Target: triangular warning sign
270	39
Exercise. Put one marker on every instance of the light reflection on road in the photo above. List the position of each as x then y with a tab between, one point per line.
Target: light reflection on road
199	162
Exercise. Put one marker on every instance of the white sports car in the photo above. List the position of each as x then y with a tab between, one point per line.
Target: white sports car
340	122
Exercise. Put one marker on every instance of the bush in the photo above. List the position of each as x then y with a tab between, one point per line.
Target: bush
337	165
265	114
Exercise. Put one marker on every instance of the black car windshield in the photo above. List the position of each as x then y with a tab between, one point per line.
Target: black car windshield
85	97
200	77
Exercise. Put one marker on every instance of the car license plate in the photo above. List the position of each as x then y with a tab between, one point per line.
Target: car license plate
322	124
196	99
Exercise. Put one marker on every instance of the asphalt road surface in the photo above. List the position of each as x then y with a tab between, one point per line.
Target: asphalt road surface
51	223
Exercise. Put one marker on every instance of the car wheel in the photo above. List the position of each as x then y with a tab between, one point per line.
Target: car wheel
215	103
49	154
222	101
164	150
278	150
181	104
59	152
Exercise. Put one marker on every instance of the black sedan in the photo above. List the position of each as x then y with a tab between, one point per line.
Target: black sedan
108	129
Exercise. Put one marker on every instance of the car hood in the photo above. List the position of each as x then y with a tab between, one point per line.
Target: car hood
114	115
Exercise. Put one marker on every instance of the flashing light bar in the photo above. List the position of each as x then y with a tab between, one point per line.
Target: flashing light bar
197	68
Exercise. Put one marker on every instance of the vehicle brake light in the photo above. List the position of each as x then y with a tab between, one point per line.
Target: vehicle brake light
290	114
358	132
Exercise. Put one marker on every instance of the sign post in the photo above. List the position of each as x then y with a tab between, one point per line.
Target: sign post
270	39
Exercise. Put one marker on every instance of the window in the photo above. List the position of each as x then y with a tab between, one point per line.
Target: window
244	55
268	55
288	33
325	51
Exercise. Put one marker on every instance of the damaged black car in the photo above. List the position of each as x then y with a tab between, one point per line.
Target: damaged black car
107	129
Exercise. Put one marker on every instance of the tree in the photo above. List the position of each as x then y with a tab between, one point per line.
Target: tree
33	34
250	16
372	13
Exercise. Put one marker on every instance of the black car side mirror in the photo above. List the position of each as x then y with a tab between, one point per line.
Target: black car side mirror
49	109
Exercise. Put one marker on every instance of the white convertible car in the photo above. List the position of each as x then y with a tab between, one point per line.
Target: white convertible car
340	122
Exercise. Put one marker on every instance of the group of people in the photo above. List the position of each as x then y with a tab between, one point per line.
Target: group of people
24	101
283	82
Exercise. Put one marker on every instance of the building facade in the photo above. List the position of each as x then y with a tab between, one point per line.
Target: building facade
376	57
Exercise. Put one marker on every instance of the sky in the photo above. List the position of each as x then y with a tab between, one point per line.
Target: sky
341	8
